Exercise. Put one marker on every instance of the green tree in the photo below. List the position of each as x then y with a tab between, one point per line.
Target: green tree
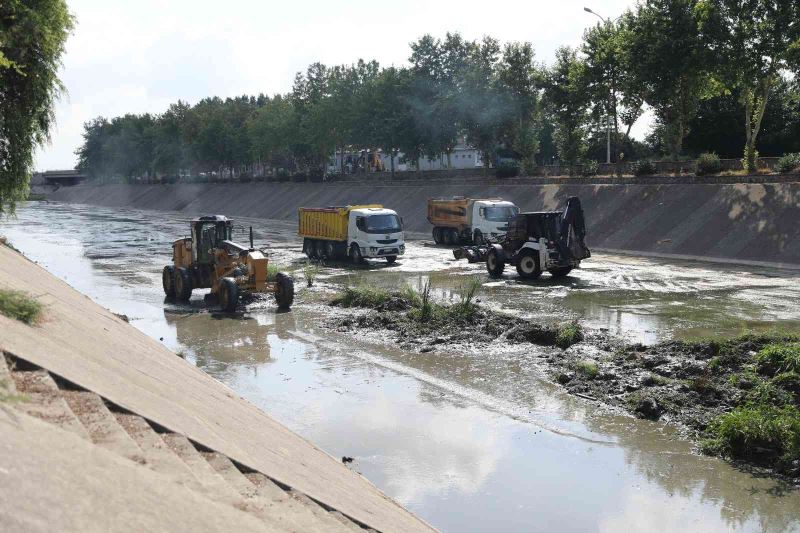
756	41
32	37
568	101
668	63
521	80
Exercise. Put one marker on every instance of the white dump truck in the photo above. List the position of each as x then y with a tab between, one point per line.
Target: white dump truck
356	232
460	220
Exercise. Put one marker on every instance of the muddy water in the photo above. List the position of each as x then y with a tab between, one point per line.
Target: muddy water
469	441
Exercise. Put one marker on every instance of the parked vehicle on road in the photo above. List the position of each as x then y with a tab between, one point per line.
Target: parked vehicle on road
460	220
210	259
357	232
535	242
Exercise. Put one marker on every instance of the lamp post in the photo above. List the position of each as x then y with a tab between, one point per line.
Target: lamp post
608	114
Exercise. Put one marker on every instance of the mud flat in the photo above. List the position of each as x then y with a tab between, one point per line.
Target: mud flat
738	222
738	398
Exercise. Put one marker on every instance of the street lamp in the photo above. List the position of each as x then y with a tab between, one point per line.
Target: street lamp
608	116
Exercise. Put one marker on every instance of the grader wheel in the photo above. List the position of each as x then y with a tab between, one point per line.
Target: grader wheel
284	290
168	281
228	295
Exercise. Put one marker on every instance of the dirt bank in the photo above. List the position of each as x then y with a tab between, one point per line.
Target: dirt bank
744	221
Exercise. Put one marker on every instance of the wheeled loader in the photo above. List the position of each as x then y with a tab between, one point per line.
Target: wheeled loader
210	259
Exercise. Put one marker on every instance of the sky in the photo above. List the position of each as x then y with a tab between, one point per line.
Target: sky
140	56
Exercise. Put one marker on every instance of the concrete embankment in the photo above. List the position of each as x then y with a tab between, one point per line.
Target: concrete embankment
685	217
104	429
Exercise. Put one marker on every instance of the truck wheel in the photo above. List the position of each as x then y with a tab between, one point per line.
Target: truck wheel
494	264
308	248
168	281
477	238
330	249
355	255
391	259
528	264
455	237
228	294
437	236
560	272
447	236
183	284
284	290
319	250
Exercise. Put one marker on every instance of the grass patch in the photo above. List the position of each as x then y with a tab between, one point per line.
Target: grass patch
361	296
776	358
19	306
587	368
272	271
568	335
764	434
310	272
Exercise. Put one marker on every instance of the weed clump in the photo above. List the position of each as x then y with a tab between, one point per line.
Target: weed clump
764	434
568	335
310	272
19	306
587	368
779	357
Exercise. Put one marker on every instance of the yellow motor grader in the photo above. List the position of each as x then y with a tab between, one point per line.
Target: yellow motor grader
210	259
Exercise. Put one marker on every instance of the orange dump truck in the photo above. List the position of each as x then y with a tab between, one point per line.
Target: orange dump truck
459	220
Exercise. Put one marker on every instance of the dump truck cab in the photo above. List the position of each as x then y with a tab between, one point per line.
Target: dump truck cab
490	218
210	259
535	242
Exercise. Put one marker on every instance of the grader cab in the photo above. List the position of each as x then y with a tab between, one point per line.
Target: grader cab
209	259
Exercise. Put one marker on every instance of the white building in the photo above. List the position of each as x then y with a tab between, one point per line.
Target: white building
462	156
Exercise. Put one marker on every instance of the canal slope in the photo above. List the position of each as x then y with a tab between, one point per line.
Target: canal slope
89	373
733	222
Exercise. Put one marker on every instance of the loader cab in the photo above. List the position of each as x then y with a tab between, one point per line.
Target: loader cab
209	232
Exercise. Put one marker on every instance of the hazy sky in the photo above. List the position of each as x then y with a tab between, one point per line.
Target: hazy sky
139	56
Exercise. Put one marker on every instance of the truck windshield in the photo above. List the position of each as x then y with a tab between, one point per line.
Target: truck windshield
500	214
383	224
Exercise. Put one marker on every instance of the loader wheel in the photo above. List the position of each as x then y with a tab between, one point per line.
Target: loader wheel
228	294
494	264
391	259
355	255
560	272
528	264
168	281
183	284
284	290
477	238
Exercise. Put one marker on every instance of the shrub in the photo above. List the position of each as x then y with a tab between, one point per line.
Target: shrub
310	271
20	306
789	163
507	170
589	168
644	168
708	164
568	335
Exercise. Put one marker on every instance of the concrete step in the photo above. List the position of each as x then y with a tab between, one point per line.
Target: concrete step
216	487
103	428
157	454
295	509
7	387
43	399
336	519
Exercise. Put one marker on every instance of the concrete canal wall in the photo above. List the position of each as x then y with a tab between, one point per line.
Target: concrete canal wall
713	219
